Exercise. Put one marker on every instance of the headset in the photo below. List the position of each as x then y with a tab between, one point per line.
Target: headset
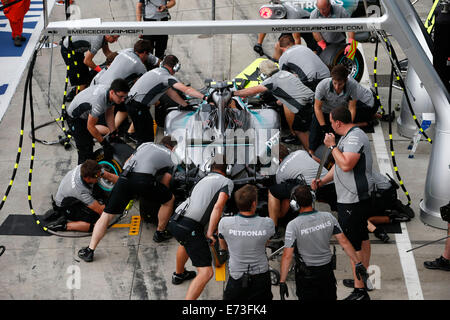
175	68
293	202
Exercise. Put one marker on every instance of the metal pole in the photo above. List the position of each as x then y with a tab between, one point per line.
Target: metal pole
213	9
44	4
50	71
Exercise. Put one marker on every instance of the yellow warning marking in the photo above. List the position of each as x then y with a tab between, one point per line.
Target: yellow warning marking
220	273
134	225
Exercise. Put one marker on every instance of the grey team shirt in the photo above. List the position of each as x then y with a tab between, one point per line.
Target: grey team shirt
289	90
356	184
85	43
352	91
246	238
303	62
311	232
152	85
151	158
296	163
72	186
93	100
204	196
151	9
127	65
336	12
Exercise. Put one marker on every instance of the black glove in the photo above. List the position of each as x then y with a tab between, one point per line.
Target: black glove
108	149
361	273
223	256
258	49
283	290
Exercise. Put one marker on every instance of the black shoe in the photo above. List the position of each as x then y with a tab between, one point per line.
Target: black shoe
51	215
397	216
87	254
290	139
58	225
17	41
161	236
440	263
180	278
350	283
358	294
381	234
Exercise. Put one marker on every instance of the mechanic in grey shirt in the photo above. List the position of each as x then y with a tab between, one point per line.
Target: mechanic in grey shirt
80	54
326	10
303	62
201	211
295	168
339	90
149	88
245	236
74	201
130	64
295	97
308	238
155	10
85	111
352	175
146	173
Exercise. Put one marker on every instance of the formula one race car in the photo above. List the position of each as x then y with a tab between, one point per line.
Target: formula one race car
244	131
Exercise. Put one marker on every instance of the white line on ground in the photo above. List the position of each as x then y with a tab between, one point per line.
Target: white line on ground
402	240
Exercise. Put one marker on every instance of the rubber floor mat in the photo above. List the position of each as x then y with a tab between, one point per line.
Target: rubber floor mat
22	225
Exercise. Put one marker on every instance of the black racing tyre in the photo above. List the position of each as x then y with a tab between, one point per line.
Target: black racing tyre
274	277
111	166
355	67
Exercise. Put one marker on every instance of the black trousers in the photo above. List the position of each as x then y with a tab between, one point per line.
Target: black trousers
159	42
75	210
318	284
78	71
259	288
83	139
142	120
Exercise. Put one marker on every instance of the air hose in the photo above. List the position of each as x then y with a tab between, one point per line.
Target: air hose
391	141
28	90
396	66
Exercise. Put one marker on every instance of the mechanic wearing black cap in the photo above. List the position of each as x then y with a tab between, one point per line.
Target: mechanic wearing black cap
308	238
203	207
245	236
85	111
149	89
139	179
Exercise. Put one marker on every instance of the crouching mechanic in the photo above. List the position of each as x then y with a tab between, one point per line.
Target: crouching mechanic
308	238
293	167
149	88
138	179
85	111
245	236
205	205
74	202
297	99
